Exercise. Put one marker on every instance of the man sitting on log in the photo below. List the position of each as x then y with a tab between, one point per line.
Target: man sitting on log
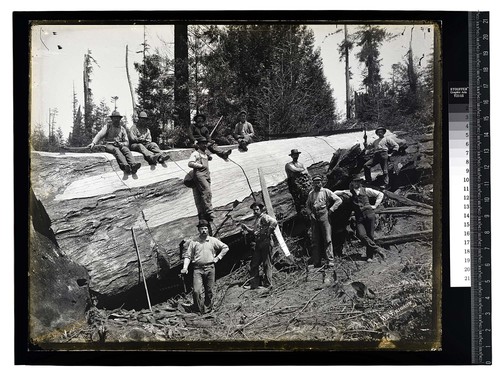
382	148
364	212
202	191
243	132
141	141
299	182
319	203
202	253
199	130
115	140
263	228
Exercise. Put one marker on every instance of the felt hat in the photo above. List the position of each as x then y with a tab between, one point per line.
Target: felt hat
143	115
199	115
116	114
294	151
257	203
202	140
317	178
380	128
203	223
243	111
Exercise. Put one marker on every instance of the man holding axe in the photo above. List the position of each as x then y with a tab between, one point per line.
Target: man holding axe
198	130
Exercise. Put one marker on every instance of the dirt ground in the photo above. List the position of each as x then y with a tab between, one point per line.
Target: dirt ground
387	303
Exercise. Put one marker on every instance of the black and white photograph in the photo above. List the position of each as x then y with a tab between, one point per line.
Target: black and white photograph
239	185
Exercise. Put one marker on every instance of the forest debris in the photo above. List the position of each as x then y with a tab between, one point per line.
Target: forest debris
406	237
405	201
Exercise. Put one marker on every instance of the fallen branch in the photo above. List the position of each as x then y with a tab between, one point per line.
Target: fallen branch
404	210
406	237
406	201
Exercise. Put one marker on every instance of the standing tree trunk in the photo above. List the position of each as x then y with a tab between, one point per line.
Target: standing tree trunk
130	82
181	88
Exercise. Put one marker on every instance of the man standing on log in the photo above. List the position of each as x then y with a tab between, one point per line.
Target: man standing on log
141	141
319	203
202	252
199	130
263	228
243	132
202	191
365	217
299	182
115	140
382	147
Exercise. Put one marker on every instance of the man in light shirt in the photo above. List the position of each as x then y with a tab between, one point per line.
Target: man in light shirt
203	253
320	203
141	141
115	140
382	147
243	132
299	182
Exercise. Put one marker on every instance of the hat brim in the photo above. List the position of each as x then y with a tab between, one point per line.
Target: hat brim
295	153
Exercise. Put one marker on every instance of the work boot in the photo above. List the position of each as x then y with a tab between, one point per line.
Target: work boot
225	154
135	167
127	169
152	160
163	158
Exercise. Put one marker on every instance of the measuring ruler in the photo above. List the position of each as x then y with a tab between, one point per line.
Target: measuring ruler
480	205
470	222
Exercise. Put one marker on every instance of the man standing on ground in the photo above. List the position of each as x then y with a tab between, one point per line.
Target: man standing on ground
382	147
202	191
243	132
202	253
365	217
114	137
199	130
319	203
141	141
299	182
263	228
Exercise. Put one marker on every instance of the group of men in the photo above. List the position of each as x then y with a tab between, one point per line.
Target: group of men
119	142
321	207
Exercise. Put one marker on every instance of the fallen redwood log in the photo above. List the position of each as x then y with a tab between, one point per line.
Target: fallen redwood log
92	205
396	239
405	210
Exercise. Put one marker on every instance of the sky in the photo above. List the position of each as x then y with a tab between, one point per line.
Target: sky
58	52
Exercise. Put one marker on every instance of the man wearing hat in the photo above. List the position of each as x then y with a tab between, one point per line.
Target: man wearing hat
382	146
243	131
320	202
141	141
114	137
263	228
199	130
203	252
202	191
299	182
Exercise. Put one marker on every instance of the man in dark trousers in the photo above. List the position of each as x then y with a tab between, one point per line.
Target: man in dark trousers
203	252
365	216
141	141
382	147
320	203
115	140
199	130
299	182
243	131
263	228
202	190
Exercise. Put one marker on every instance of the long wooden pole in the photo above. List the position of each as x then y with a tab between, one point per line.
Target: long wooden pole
130	82
142	270
270	211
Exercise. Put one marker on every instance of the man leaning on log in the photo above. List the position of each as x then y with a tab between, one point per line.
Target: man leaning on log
115	139
382	148
202	191
299	182
202	253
